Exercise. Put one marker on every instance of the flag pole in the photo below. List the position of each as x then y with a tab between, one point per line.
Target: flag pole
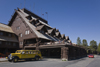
24	3
33	7
47	15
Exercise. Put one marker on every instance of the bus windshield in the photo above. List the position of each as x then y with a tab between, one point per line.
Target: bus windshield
18	52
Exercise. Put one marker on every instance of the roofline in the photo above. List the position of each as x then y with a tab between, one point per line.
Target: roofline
42	19
6	31
12	18
3	23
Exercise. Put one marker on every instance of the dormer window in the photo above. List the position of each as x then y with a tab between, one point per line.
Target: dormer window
32	23
29	17
37	21
42	31
1	33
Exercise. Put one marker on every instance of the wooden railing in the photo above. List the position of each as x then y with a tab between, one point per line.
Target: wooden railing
49	43
54	43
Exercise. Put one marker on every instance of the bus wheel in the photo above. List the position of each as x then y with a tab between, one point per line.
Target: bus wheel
15	59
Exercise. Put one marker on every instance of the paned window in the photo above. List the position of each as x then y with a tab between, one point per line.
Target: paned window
27	32
1	33
0	42
17	28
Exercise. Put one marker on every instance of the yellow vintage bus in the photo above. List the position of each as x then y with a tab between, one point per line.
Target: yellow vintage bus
25	54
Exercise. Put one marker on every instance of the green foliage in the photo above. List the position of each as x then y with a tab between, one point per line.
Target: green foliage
84	42
98	49
78	41
93	45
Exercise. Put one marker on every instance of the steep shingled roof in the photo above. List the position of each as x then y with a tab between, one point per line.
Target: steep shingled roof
67	38
23	13
63	36
5	28
38	34
37	24
58	34
41	27
11	39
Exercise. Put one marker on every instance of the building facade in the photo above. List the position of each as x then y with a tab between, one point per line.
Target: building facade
8	40
34	32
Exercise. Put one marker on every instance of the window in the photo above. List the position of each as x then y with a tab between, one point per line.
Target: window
9	35
21	43
9	43
27	32
18	52
17	28
0	42
33	52
20	34
23	52
42	31
1	33
6	43
29	17
26	52
29	52
14	44
32	23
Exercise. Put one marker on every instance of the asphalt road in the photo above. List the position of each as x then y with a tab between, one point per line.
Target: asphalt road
83	62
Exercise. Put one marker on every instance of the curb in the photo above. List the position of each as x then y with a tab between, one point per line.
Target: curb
4	61
2	57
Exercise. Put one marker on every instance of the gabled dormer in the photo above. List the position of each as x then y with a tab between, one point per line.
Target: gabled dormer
32	22
38	24
29	17
67	38
42	29
57	30
51	32
63	36
58	35
34	15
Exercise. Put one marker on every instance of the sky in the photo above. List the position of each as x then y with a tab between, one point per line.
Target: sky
74	18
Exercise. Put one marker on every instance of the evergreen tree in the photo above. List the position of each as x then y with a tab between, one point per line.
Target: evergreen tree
78	41
98	49
84	42
93	45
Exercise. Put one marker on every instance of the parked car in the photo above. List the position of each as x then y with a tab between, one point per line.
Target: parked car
91	56
25	54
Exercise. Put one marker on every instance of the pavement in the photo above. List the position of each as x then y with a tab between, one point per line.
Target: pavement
44	59
83	63
54	62
3	60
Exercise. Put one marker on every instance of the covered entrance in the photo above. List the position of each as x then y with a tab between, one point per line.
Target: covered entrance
51	52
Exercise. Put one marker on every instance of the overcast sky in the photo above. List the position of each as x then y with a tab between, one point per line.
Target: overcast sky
74	18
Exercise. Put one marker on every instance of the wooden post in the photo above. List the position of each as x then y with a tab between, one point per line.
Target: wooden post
37	44
74	53
64	53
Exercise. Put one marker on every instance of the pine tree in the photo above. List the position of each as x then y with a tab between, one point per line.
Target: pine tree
98	49
84	42
78	41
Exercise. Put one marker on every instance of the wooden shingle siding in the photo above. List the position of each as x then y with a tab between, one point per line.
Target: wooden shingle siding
18	22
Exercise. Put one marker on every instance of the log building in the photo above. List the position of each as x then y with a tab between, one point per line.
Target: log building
8	39
34	32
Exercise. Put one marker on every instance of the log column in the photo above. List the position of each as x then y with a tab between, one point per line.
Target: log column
74	53
37	44
64	52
